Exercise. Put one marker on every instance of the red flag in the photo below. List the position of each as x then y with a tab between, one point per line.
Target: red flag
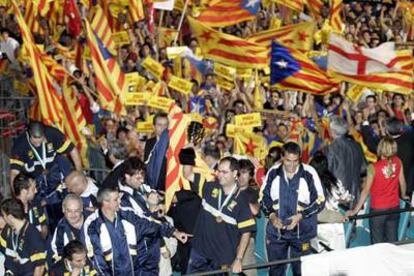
73	16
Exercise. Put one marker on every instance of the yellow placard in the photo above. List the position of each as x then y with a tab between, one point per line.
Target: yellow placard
266	70
244	73
136	98
121	38
162	103
225	84
224	71
181	85
173	52
154	67
232	129
355	92
145	127
249	120
132	80
194	116
21	87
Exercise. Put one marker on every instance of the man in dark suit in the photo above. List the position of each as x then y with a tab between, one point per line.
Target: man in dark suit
160	123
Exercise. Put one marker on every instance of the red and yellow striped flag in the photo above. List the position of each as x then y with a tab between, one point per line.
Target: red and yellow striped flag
177	132
110	80
315	7
296	5
102	30
221	13
335	18
228	49
50	105
74	121
136	11
297	36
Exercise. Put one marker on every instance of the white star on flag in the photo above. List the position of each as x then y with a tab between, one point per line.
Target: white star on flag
282	64
252	3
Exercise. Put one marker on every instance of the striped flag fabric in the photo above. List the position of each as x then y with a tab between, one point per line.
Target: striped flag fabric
110	80
227	49
74	121
381	67
102	30
222	13
292	70
49	100
298	36
30	16
250	144
136	11
177	133
315	7
335	19
296	5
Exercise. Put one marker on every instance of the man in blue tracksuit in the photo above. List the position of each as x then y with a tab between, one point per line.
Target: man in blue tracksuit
292	197
112	235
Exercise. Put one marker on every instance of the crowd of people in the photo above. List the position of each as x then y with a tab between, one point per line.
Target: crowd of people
106	212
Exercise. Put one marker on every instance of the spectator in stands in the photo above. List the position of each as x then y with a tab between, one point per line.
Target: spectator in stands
345	157
160	122
385	183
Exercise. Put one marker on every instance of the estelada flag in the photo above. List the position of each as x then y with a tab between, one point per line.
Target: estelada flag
221	13
228	49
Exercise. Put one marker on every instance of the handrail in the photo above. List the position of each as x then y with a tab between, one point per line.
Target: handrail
381	213
279	262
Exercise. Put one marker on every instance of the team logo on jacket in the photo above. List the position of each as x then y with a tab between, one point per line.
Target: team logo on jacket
30	154
214	193
232	205
50	147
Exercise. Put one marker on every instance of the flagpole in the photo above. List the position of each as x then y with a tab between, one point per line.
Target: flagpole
181	22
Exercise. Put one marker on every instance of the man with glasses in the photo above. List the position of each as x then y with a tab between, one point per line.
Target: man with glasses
292	197
69	227
225	222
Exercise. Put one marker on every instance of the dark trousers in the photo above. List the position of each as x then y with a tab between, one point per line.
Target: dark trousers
277	249
384	228
199	263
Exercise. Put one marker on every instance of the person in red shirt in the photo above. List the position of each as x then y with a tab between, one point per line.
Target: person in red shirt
385	181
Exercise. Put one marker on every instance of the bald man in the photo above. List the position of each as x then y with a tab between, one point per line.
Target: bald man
79	184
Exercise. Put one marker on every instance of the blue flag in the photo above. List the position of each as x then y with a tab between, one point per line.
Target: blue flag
155	159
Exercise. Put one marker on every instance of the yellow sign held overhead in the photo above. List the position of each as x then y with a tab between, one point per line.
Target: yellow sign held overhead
244	73
153	67
224	71
231	130
225	84
162	103
249	120
121	38
145	127
136	98
181	85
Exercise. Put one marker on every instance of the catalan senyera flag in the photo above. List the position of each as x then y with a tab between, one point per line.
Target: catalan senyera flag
110	80
290	69
250	144
102	29
221	13
315	7
136	11
371	157
177	132
228	49
296	5
74	121
49	100
31	16
335	19
298	36
166	36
